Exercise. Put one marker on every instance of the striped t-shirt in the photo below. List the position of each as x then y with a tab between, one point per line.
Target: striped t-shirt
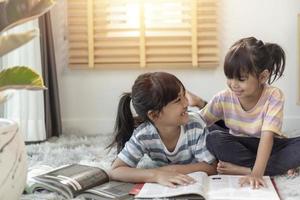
190	148
266	115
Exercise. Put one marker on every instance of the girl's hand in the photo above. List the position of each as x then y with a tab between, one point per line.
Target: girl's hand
172	179
254	181
194	100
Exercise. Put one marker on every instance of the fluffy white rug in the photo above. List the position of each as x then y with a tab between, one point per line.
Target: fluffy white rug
67	150
91	151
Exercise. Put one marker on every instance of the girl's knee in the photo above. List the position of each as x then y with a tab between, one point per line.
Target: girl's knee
212	139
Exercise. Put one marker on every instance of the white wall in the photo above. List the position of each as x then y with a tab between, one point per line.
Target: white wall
89	98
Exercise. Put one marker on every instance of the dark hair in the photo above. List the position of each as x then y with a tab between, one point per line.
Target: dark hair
150	91
249	55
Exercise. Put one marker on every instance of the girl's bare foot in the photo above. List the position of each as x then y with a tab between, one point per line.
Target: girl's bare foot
229	168
292	172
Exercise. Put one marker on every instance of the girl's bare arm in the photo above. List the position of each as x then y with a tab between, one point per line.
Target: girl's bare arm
122	172
255	179
210	169
195	100
263	153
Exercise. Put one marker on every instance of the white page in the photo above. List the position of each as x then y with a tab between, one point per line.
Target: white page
227	187
154	190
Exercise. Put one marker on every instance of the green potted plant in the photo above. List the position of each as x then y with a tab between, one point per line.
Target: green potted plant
13	165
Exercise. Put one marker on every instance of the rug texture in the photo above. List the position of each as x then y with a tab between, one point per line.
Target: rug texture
91	151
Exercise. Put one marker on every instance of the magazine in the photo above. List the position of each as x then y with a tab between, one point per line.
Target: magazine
215	187
77	180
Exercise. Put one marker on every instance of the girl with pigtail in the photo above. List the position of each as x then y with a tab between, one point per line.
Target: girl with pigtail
252	109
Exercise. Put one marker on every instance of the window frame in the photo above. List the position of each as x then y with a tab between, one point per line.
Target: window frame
143	41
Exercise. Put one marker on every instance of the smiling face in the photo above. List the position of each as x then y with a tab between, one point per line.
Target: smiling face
246	87
174	113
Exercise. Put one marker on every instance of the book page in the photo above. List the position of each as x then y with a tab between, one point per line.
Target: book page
33	172
112	189
52	187
227	187
75	178
155	190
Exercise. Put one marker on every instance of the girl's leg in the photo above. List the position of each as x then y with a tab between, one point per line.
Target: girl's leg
285	156
232	169
231	149
235	152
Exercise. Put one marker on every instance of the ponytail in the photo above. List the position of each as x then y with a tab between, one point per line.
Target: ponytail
277	61
124	124
150	92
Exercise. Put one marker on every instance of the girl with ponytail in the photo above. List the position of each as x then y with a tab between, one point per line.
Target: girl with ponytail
163	129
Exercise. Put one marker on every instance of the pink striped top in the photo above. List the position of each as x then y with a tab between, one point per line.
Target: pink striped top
266	115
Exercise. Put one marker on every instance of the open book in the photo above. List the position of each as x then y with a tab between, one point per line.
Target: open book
77	180
216	187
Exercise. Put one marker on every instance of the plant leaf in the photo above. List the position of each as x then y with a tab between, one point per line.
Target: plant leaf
20	78
15	12
15	40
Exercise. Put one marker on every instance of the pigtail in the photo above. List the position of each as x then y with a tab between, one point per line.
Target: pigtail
277	61
124	124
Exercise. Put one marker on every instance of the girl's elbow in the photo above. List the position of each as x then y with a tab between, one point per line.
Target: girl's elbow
112	174
119	169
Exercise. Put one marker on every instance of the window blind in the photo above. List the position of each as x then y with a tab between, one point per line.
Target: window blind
142	33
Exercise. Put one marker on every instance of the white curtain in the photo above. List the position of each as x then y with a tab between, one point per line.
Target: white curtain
26	107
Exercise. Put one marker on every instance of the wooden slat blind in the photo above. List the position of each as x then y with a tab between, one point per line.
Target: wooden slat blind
142	33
